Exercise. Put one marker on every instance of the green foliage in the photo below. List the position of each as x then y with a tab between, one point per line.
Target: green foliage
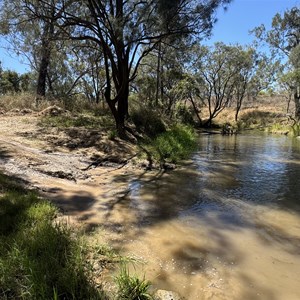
283	39
9	82
257	119
175	144
39	259
148	121
130	287
293	130
279	128
221	76
296	129
112	134
184	115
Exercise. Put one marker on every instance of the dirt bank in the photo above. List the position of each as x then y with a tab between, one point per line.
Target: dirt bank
44	159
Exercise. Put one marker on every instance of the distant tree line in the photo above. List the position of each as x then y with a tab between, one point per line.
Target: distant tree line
11	82
108	50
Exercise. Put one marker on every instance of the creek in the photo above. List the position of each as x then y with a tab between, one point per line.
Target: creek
225	225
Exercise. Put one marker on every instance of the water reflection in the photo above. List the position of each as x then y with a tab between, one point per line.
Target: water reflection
251	168
225	225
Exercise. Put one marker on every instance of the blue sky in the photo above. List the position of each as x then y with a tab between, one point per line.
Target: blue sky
232	27
243	15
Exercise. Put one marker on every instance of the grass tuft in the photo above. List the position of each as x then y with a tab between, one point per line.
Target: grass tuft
40	258
131	287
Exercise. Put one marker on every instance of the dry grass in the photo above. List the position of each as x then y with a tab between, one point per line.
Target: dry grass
13	102
17	101
263	112
22	101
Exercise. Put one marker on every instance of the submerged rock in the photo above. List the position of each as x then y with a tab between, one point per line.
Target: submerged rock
166	295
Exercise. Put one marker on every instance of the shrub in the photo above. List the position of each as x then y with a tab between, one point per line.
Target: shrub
184	115
175	144
112	134
296	129
147	121
17	101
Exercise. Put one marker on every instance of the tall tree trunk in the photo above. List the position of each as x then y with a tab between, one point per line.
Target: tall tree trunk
158	74
196	110
297	103
122	113
44	61
119	110
42	74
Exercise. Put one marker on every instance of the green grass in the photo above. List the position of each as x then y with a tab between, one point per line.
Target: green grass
40	258
130	287
259	119
279	128
296	129
293	130
175	144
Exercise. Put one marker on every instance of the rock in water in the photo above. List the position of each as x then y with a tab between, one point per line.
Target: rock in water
166	295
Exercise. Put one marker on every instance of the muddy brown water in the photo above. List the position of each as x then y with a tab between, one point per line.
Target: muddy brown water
224	225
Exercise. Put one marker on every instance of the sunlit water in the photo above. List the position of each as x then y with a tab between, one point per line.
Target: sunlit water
226	225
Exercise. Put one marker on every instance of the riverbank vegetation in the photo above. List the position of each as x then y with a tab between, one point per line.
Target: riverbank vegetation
136	73
40	257
43	257
192	84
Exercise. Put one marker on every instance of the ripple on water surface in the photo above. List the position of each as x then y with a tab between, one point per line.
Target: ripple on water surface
226	225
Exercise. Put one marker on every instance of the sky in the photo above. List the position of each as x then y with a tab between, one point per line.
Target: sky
232	27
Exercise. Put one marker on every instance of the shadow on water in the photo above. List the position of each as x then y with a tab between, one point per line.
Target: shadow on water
73	203
225	177
227	186
223	186
259	292
225	191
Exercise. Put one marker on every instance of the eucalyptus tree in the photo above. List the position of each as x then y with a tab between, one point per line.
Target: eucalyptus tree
89	61
266	71
284	40
9	82
222	76
31	34
246	60
127	31
159	74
